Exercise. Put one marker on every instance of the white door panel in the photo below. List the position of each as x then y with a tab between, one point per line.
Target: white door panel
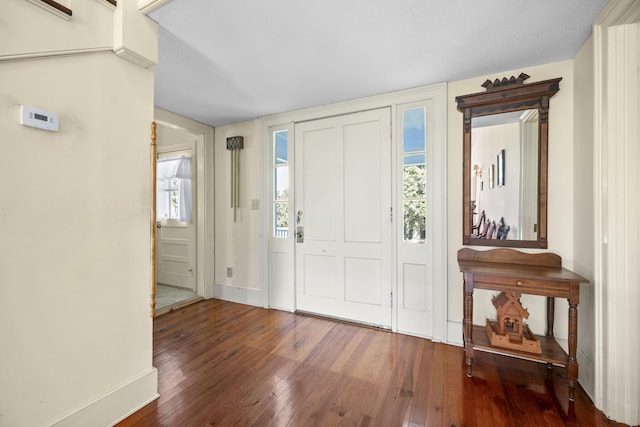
175	253
343	188
320	148
362	198
363	280
414	293
319	276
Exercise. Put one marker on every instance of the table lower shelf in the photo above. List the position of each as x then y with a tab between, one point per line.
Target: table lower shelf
551	350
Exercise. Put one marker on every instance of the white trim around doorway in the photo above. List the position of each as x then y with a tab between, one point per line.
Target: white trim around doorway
204	209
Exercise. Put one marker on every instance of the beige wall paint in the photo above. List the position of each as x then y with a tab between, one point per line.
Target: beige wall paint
238	245
75	257
90	28
560	198
135	36
168	136
75	224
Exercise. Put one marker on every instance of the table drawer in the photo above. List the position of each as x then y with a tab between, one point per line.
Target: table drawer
525	286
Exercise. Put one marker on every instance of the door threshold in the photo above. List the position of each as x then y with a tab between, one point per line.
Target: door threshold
177	306
344	320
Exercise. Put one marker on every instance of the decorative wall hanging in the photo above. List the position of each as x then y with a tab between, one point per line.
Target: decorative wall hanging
234	144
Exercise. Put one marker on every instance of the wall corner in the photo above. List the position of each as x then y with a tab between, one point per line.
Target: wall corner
135	36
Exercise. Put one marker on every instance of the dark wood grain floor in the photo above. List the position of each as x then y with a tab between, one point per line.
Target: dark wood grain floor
226	364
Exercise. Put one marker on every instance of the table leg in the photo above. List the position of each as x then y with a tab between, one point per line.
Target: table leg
572	363
468	325
551	307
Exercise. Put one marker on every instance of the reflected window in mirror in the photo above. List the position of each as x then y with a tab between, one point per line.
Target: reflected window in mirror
414	174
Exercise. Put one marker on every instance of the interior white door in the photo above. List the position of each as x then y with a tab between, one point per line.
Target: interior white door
176	240
343	222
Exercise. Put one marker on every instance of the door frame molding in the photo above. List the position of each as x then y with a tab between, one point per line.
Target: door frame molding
436	92
204	205
616	40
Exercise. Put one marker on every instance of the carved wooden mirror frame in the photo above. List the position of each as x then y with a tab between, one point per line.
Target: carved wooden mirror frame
503	96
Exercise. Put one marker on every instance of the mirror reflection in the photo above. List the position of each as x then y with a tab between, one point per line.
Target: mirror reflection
504	175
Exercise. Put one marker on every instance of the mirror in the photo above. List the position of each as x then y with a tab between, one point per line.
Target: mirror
505	163
504	174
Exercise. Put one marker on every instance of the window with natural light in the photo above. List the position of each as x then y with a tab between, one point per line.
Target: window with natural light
414	178
281	183
173	189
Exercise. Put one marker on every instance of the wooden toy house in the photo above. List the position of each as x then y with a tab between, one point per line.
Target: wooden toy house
510	331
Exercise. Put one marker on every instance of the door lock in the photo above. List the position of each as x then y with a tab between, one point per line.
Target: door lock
300	234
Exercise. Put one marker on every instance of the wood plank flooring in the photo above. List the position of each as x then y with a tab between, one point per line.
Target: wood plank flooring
227	364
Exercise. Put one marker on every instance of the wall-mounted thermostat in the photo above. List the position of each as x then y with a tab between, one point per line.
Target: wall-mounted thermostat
37	118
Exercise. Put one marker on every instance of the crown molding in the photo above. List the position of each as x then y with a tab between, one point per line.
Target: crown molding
148	6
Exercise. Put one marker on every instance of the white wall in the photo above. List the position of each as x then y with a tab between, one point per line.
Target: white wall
499	201
583	226
238	244
169	136
560	195
75	209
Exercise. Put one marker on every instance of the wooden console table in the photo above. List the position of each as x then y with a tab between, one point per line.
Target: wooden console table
508	270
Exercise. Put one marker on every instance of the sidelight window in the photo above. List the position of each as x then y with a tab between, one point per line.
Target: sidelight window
280	183
414	177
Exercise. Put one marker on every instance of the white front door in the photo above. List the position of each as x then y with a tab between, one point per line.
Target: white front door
343	218
175	240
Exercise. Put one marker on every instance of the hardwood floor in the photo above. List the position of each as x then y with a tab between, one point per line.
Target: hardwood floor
226	364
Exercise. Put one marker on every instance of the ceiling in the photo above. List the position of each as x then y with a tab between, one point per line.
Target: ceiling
223	62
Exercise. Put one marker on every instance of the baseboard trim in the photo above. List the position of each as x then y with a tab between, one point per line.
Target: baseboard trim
239	295
454	333
586	374
115	405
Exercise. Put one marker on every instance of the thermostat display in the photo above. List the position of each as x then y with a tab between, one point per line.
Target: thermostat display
37	118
